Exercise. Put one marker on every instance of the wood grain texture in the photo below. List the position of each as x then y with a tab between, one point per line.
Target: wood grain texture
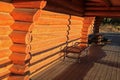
6	7
22	48
21	37
24	14
19	69
30	4
6	19
22	26
5	42
19	58
5	30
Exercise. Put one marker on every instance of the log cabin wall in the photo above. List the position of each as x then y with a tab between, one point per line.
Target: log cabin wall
48	38
38	36
6	21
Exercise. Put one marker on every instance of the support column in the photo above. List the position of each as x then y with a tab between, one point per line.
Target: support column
87	23
25	14
6	21
97	24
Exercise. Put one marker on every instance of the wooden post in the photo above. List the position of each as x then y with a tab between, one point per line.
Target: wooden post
97	24
88	22
25	14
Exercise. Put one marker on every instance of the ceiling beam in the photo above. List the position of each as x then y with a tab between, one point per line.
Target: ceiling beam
102	13
60	9
99	2
102	8
93	4
67	4
107	3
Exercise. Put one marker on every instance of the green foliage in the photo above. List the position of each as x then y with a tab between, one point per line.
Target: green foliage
112	21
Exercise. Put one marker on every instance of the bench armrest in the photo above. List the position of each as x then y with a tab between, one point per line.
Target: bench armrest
77	43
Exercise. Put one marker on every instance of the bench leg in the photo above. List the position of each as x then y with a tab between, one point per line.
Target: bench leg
65	54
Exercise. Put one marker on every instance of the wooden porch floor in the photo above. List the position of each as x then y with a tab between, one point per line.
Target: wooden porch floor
103	64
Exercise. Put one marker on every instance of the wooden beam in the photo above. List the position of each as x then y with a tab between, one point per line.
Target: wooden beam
67	4
60	9
99	1
103	8
103	13
78	2
6	7
30	4
93	4
107	3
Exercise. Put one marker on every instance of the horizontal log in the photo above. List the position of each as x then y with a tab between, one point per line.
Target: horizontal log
33	77
47	45
19	58
40	56
84	40
78	2
39	29
19	69
39	65
6	19
76	22
72	31
84	33
4	73
51	21
45	38
5	30
22	26
6	7
76	18
29	4
89	18
84	36
103	8
75	28
19	0
5	53
84	29
18	77
21	37
22	14
78	26
5	77
103	13
74	36
5	42
86	25
20	48
94	4
4	62
50	14
88	22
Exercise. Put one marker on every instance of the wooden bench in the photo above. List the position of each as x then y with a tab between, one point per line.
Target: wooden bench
76	49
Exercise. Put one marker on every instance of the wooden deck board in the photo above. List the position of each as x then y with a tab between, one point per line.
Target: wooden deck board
105	68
